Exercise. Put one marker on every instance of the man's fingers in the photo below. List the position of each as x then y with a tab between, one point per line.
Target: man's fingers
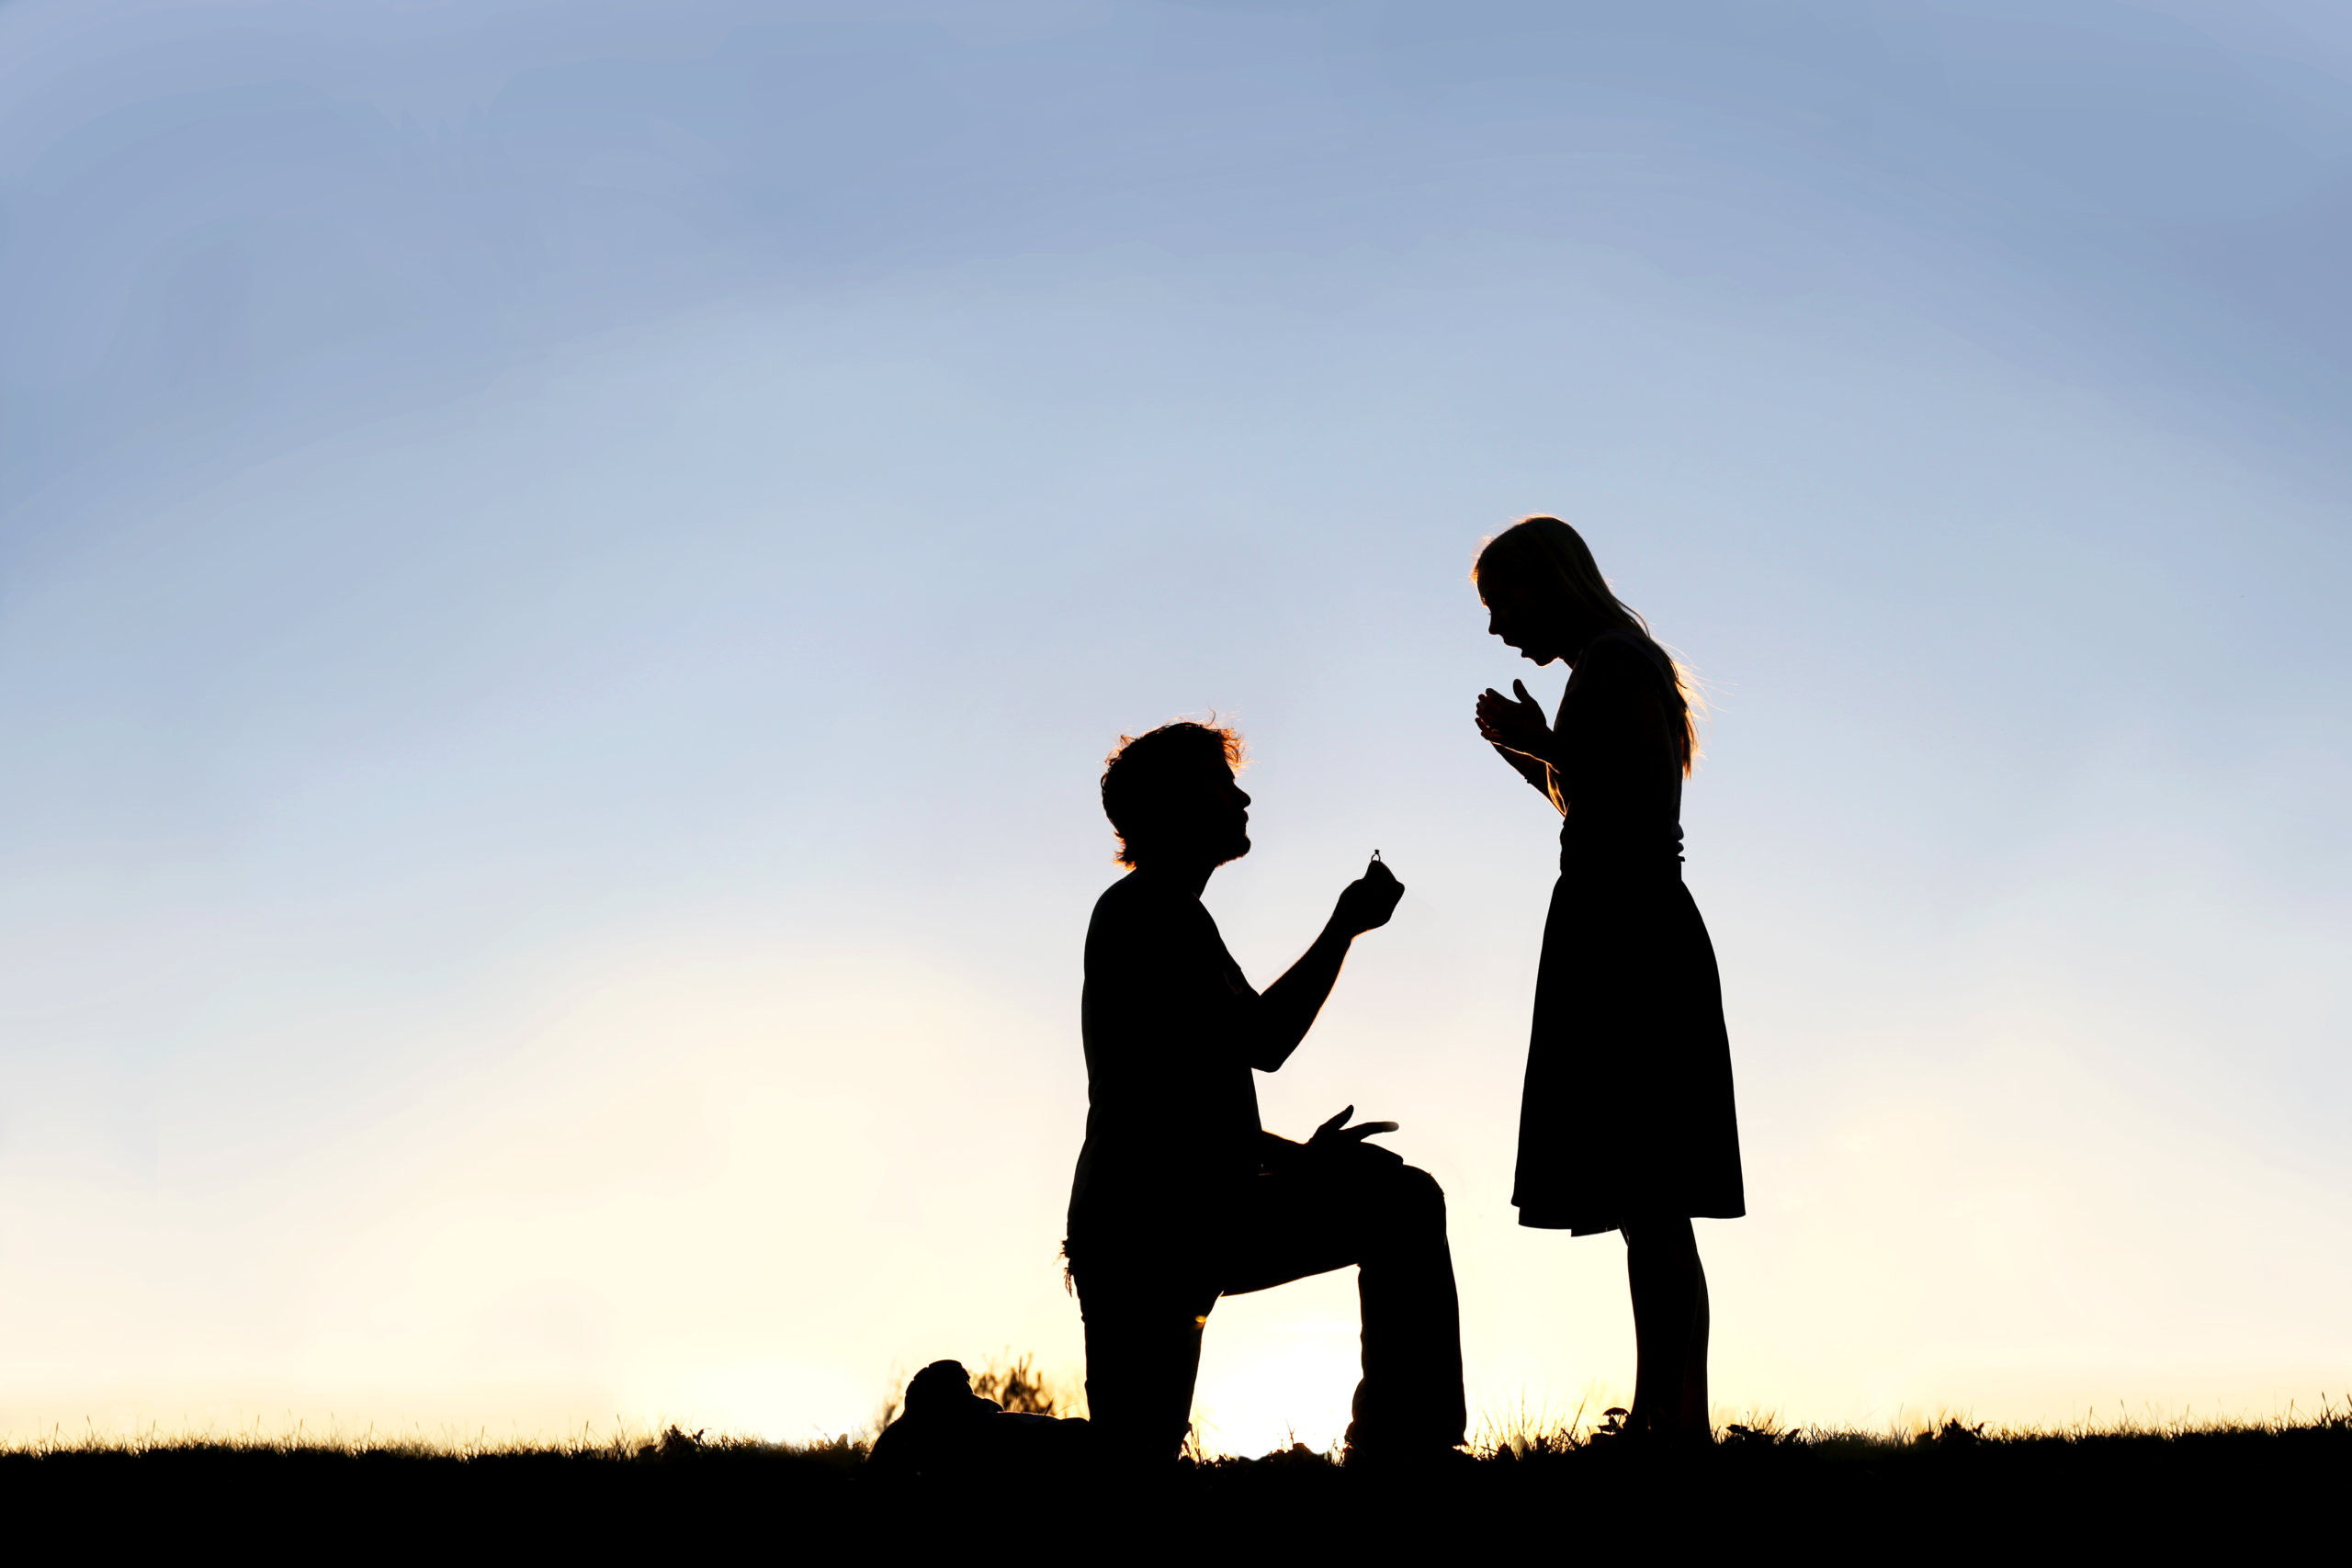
1371	1130
1520	687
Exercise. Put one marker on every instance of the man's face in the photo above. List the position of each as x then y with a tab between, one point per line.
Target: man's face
1214	820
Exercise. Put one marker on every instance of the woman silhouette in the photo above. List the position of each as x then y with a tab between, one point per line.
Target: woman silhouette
1628	1039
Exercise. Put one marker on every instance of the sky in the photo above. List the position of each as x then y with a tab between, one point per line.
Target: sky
567	571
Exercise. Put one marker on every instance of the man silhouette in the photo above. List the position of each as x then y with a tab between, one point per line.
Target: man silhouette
1181	1196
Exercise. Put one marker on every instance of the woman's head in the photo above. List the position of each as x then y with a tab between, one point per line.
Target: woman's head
1543	593
1546	597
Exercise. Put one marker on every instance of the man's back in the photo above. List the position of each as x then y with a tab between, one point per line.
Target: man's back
1169	1022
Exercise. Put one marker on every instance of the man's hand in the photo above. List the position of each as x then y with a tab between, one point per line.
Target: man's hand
1335	1131
1366	903
1336	1138
1515	726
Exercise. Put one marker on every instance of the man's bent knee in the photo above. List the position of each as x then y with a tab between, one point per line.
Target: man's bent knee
1420	1187
1415	1196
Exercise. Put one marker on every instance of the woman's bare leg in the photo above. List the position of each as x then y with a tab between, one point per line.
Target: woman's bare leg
1696	1421
1670	1323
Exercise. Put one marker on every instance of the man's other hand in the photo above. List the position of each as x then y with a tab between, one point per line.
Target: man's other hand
1366	903
1335	1140
1337	1133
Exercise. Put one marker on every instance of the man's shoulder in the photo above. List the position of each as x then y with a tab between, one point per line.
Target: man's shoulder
1135	905
1136	896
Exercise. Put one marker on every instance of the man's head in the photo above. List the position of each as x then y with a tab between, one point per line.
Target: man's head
1170	793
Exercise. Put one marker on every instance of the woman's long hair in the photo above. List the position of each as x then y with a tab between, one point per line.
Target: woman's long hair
1552	563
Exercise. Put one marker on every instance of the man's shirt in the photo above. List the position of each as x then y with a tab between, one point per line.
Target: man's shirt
1171	1030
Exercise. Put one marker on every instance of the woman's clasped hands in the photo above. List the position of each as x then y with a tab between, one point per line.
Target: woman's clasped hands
1514	723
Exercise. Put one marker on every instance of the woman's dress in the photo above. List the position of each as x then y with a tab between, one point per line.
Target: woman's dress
1628	1108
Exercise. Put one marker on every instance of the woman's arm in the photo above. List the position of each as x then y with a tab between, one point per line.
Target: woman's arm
1535	771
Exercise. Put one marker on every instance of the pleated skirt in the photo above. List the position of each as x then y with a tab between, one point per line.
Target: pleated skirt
1628	1111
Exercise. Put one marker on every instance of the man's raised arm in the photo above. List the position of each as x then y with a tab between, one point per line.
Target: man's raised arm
1286	1009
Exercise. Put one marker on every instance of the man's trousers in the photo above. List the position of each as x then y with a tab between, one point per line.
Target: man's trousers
1146	1303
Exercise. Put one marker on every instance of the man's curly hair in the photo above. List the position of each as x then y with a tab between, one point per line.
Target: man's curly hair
1142	771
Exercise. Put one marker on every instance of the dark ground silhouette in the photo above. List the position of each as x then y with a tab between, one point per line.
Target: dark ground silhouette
2259	1486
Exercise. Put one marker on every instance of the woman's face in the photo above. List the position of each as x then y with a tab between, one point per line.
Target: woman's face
1510	617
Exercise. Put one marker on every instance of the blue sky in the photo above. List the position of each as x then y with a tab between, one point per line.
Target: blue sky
565	573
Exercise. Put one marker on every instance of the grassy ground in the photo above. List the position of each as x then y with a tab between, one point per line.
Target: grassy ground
2255	1485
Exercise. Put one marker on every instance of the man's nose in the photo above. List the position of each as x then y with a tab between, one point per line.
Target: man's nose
1243	797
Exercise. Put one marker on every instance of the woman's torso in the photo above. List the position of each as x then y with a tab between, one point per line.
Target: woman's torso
1617	775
